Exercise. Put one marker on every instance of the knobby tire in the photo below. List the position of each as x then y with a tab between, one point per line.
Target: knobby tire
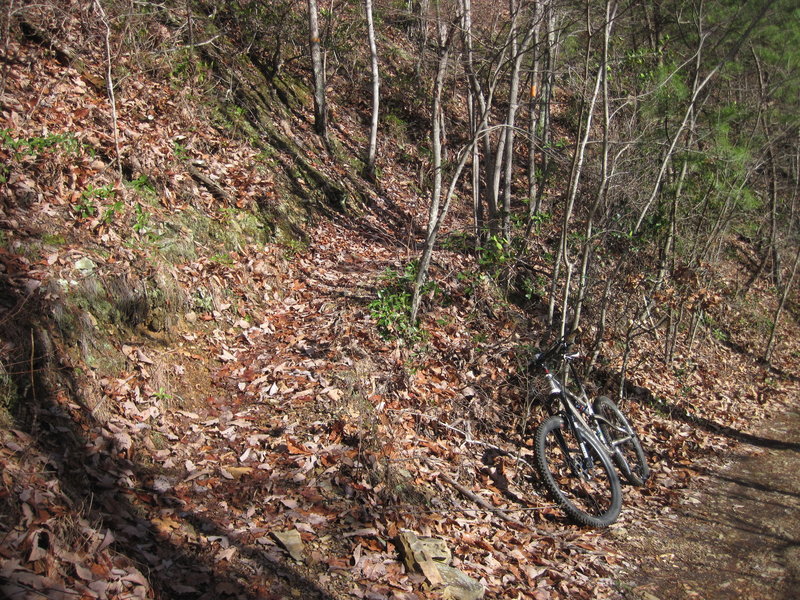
629	454
589	493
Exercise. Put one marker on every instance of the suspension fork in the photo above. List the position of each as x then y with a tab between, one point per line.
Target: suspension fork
583	461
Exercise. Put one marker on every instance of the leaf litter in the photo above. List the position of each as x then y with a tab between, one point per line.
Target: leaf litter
292	443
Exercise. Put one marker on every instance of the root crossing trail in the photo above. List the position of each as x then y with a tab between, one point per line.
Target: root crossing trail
735	533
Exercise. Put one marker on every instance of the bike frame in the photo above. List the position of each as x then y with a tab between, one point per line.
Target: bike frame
576	408
571	405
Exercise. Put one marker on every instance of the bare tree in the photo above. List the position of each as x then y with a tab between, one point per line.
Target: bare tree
586	117
376	92
318	67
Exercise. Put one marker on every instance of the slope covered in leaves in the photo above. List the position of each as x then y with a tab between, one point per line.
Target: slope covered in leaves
197	405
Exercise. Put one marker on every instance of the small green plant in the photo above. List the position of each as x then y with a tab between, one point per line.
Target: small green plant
266	155
111	211
100	193
540	218
223	258
458	242
391	310
496	253
180	151
142	220
392	307
143	185
162	395
293	247
84	207
203	300
533	288
35	146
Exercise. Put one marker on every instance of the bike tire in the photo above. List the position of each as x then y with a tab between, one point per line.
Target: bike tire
628	455
589	493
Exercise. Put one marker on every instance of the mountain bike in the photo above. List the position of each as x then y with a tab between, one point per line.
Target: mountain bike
577	445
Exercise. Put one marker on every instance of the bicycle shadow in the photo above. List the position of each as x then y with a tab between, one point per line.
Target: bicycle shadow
646	397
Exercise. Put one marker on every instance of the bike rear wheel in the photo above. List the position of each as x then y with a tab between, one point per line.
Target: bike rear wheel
587	488
626	449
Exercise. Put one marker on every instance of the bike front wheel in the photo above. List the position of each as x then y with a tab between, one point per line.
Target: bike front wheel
624	444
578	473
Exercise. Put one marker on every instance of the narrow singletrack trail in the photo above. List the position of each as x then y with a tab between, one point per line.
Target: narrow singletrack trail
735	533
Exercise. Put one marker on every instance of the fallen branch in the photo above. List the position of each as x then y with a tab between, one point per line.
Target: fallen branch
482	502
468	439
216	189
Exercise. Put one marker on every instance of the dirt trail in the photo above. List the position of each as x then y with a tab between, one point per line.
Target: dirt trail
735	533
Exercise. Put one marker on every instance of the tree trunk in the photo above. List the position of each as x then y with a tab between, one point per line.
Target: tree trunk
587	113
477	121
548	85
533	125
436	193
376	93
518	51
320	106
583	281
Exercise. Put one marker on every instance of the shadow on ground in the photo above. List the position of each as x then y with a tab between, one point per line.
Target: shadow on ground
94	480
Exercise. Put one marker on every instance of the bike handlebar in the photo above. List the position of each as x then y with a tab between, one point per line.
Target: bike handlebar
560	346
543	357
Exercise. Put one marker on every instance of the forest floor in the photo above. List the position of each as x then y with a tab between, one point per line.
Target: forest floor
735	531
271	443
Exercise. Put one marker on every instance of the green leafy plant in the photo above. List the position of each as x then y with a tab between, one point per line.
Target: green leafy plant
66	142
86	205
495	253
143	185
84	208
392	307
180	151
111	211
142	220
162	395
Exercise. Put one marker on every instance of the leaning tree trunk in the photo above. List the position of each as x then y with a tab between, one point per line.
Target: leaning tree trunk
587	112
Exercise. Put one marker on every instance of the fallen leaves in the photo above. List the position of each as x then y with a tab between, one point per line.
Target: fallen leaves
295	441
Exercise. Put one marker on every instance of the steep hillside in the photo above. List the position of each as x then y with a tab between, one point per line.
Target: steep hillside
208	385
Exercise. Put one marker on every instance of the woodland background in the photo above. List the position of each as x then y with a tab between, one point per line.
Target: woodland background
280	266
